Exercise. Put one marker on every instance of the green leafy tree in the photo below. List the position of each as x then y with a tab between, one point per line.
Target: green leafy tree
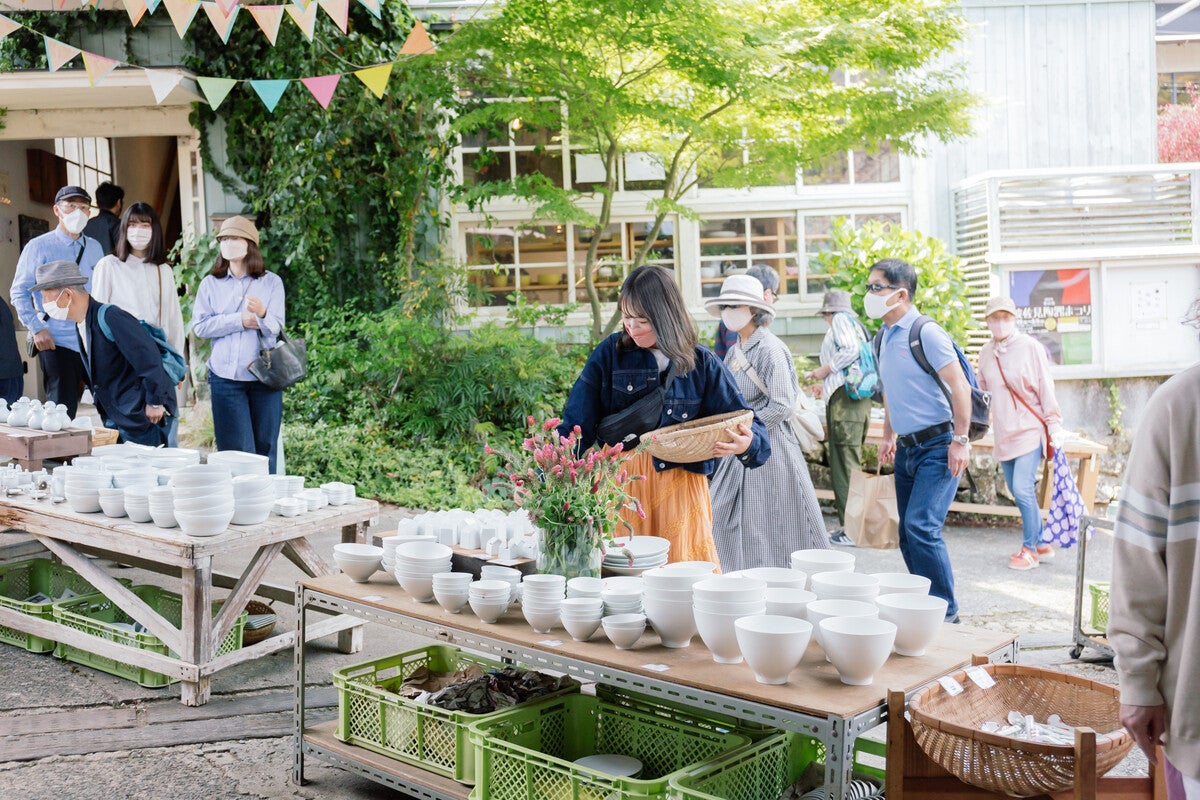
719	92
941	285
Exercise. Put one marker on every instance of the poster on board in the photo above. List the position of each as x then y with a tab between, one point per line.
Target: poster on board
1054	306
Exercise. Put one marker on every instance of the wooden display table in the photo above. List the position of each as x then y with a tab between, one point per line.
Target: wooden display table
30	448
815	702
69	536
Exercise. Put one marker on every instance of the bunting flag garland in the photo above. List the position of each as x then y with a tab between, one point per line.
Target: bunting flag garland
222	23
152	5
136	9
372	6
268	18
305	19
58	53
375	78
338	11
182	12
162	83
418	42
215	89
322	87
97	66
269	91
227	5
7	26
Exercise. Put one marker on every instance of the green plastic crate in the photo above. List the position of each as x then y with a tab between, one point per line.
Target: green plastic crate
95	614
697	717
768	768
373	716
1099	592
527	753
27	578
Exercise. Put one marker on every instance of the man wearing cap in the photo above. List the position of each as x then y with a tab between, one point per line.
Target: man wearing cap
846	419
132	390
57	341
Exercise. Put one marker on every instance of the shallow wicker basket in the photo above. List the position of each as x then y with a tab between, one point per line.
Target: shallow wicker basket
104	436
256	635
947	728
693	441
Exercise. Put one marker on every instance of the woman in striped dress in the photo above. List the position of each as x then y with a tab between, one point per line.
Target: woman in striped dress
761	516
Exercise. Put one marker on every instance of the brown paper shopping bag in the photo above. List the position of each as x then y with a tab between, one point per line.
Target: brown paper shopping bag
872	519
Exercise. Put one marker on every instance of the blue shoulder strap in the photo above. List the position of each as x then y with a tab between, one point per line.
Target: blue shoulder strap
102	317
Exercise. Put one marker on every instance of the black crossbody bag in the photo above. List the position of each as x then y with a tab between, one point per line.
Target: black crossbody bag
627	426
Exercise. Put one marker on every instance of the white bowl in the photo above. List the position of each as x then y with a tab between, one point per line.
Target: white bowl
772	645
810	562
423	552
420	588
719	636
460	580
693	567
844	585
540	620
789	602
857	647
163	518
487	610
623	630
581	629
112	507
583	586
825	609
917	617
251	515
901	582
721	607
450	600
137	513
202	506
582	605
733	590
778	577
359	571
491	588
357	551
84	504
675	623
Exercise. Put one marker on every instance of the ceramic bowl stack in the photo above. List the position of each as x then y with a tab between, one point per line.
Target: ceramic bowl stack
810	562
417	563
314	498
161	502
451	589
624	630
82	490
844	586
541	598
667	601
496	572
622	596
135	476
287	485
773	646
789	602
239	463
777	577
205	502
137	503
112	501
253	499
337	493
717	603
636	554
580	615
289	506
584	586
901	583
917	617
488	598
819	610
358	561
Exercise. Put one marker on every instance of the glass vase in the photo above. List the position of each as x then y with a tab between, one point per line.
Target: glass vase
571	549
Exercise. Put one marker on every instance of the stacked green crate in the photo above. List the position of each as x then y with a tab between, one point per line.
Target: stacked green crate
37	576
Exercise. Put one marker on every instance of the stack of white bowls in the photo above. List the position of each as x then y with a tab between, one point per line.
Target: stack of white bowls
580	616
112	501
204	499
819	610
289	506
717	603
358	561
917	617
135	476
637	553
137	503
488	598
901	583
239	463
287	485
844	586
789	602
82	488
810	562
161	502
451	590
338	493
496	572
622	596
417	563
390	543
583	586
667	600
541	598
314	498
624	630
253	499
777	577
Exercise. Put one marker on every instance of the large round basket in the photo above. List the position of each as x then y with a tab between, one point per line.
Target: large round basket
947	728
256	635
689	442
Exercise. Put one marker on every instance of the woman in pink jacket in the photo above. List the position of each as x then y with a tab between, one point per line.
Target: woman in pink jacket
1025	418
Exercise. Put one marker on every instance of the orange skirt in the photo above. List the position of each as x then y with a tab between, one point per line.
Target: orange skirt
678	508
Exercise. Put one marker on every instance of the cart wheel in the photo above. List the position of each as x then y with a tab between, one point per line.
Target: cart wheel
1076	651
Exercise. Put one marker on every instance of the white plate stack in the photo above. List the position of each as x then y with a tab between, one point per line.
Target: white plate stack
239	463
253	499
204	499
635	554
137	503
288	485
417	563
82	489
622	596
161	502
338	493
315	498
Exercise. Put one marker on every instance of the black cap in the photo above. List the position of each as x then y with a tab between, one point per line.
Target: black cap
72	191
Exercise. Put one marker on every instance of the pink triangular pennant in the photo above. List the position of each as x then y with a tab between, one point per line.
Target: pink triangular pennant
338	11
162	83
418	41
305	19
268	18
136	9
182	13
222	22
58	53
227	5
97	66
322	87
7	26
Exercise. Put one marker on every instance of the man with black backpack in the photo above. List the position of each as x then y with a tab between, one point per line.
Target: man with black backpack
926	422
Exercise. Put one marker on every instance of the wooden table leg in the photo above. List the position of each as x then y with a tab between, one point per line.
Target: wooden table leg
197	626
351	640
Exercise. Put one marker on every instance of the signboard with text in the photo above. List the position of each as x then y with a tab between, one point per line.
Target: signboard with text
1055	307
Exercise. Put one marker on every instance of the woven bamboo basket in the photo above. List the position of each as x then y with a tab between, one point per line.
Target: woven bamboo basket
947	728
689	442
104	436
255	635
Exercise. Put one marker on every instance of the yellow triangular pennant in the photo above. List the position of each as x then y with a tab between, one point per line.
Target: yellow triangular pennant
136	9
338	11
182	13
375	78
305	19
268	18
418	42
222	22
97	66
58	53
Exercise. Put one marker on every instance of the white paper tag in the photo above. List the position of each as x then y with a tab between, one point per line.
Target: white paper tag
371	598
981	678
656	667
551	642
951	686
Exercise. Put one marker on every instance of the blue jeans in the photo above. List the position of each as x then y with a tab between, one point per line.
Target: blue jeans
1020	474
246	416
924	490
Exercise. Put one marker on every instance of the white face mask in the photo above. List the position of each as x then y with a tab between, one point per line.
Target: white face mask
233	249
55	310
877	306
1002	328
75	222
139	238
736	318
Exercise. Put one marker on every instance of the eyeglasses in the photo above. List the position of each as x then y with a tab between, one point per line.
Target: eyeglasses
876	288
729	307
68	207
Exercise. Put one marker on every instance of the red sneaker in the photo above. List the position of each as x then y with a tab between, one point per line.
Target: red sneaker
1026	559
1045	552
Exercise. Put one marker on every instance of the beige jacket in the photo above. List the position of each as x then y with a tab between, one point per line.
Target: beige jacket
1154	611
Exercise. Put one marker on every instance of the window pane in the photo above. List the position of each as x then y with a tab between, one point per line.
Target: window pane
74	174
484	246
818	231
89	151
546	162
893	218
663	249
530	135
835	169
103	157
881	167
486	166
485	138
70	150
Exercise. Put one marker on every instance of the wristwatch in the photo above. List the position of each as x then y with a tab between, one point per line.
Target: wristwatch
963	440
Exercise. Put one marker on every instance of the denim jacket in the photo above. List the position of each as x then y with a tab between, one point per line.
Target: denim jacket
614	378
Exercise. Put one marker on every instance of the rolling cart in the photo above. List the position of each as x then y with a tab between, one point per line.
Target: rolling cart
1096	641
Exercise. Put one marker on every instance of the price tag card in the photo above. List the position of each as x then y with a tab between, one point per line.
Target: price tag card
951	686
373	598
656	667
551	642
980	677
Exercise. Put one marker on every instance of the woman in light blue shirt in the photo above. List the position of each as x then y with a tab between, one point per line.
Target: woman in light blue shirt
240	307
